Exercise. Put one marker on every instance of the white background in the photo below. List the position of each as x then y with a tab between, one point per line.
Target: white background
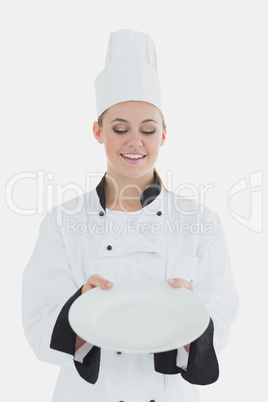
212	59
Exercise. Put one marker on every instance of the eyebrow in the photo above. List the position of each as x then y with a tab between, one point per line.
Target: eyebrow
125	121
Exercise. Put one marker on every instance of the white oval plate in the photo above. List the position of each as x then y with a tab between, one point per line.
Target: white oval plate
139	317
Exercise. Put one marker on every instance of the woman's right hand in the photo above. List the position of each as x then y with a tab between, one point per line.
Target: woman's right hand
97	281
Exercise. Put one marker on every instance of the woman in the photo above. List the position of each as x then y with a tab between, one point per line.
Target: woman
136	230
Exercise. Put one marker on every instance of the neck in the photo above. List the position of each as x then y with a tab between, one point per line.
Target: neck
124	193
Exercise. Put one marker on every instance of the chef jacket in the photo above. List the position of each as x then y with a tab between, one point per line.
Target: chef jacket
169	237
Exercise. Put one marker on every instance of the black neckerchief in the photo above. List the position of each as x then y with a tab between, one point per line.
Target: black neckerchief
148	196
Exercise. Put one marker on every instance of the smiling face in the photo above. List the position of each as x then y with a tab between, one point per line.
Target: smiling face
132	133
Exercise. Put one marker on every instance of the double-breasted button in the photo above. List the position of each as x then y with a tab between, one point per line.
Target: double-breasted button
152	400
109	247
119	353
159	213
101	213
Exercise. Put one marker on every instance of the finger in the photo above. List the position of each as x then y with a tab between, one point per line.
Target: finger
97	281
180	283
187	348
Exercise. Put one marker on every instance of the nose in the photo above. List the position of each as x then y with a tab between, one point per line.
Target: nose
134	139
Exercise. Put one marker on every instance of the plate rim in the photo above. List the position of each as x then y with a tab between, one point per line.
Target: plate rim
120	286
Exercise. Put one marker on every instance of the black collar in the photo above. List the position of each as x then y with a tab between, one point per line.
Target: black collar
148	196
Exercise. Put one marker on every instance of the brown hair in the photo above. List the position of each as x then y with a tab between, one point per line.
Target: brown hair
157	174
100	118
100	121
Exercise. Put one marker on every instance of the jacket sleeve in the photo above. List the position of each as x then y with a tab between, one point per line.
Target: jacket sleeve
202	366
213	282
48	291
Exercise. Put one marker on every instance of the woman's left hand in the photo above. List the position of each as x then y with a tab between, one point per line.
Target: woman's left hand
181	283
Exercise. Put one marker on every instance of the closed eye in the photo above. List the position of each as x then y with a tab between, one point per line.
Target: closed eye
125	131
148	132
119	131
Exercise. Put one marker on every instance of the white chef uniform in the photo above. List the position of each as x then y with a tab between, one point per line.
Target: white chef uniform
168	237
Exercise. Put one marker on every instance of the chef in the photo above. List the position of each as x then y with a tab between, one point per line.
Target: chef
156	239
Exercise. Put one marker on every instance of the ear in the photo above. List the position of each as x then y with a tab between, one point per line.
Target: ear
97	131
163	138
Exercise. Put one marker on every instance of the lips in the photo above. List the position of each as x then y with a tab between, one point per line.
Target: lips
133	159
132	156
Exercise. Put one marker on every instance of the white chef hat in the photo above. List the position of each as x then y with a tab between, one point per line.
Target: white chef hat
130	71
